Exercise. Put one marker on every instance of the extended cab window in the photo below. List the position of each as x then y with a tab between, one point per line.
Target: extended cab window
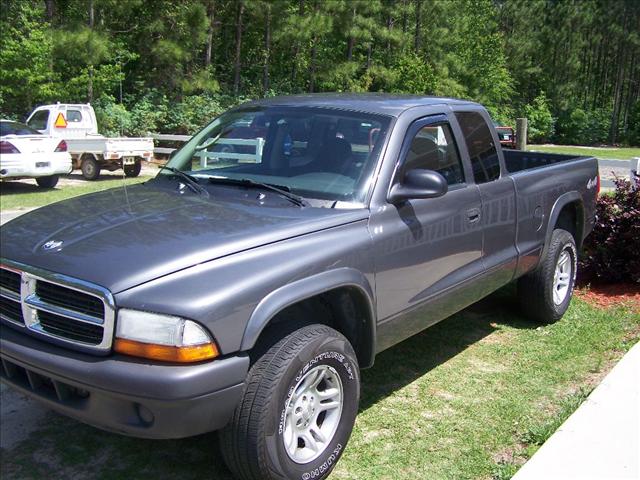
434	148
74	116
482	151
39	120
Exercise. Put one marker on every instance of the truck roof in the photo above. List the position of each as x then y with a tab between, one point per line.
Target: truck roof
380	103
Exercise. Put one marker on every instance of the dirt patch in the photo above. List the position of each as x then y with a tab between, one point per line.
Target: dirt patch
611	295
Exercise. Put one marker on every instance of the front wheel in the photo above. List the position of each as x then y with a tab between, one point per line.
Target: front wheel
47	182
298	409
546	292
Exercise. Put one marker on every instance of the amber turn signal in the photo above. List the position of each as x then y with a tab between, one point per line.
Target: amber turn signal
166	353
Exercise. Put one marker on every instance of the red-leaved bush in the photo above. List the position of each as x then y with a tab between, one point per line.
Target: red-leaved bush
611	252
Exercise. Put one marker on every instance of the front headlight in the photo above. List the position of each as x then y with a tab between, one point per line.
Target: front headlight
162	337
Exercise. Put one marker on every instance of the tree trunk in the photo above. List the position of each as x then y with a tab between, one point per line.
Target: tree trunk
296	49
404	16
351	40
236	63
416	39
50	10
208	54
267	49
91	25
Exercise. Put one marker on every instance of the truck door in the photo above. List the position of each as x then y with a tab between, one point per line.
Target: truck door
426	249
497	190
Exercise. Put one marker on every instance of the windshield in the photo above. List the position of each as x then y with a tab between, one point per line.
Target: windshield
15	128
312	152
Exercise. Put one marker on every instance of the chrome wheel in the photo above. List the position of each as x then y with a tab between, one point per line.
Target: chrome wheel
562	277
313	414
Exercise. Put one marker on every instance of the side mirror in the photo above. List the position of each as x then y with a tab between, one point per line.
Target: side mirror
418	183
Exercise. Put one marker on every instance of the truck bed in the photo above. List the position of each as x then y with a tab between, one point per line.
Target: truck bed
100	144
518	160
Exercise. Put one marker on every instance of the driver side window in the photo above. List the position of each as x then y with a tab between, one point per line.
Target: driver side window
434	148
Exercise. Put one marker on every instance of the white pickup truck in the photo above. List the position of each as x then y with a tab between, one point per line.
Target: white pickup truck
90	151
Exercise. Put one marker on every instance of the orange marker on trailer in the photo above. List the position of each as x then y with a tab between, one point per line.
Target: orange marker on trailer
61	122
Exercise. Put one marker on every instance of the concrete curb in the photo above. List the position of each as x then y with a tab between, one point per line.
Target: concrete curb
601	440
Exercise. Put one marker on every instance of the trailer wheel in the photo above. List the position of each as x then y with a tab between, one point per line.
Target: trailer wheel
90	168
47	182
133	170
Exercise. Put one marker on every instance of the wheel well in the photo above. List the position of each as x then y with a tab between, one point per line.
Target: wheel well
346	309
571	219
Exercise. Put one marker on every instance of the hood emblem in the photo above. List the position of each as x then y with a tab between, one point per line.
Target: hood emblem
52	244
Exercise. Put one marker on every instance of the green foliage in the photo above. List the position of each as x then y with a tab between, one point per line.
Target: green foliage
580	127
502	53
633	133
26	76
413	75
113	119
540	121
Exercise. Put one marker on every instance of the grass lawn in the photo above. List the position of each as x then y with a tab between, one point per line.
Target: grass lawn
598	152
470	398
26	194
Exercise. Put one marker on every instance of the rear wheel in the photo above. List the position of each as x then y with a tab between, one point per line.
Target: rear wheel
47	182
546	292
90	167
133	170
298	408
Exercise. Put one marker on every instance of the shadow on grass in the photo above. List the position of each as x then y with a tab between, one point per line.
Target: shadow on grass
400	365
66	448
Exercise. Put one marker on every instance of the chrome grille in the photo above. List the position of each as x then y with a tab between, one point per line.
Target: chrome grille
55	306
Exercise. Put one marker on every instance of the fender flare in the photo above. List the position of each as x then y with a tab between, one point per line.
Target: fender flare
299	290
560	203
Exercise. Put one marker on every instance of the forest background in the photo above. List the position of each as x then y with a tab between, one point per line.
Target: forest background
572	67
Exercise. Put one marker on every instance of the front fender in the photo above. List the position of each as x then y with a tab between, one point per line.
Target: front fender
299	290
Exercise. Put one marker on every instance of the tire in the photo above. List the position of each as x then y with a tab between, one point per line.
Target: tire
131	171
47	182
90	168
276	408
545	293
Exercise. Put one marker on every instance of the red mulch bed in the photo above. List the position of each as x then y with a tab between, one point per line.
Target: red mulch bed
610	295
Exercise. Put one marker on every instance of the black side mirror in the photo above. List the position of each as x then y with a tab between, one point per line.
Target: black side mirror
418	183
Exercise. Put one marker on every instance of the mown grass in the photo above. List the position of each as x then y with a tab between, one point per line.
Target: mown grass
611	153
26	194
458	401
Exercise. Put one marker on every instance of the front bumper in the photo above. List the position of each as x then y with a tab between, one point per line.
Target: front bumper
121	394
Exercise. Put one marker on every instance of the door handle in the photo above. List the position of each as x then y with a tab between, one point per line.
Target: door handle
473	215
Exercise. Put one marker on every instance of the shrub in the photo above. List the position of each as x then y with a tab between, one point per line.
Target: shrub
540	121
612	252
113	118
584	127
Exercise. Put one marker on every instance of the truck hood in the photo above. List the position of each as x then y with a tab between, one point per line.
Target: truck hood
121	238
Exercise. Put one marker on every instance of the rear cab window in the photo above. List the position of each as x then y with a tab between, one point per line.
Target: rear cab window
482	150
74	116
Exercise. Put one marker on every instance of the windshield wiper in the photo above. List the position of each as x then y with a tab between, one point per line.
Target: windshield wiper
189	180
247	182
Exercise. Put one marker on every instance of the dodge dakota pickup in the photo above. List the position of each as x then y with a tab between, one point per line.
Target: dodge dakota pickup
244	288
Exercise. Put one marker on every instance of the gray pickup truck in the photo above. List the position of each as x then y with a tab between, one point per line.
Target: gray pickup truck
282	248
